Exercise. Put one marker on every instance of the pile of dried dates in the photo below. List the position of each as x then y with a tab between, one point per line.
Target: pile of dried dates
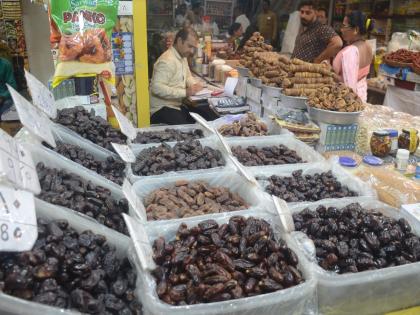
354	239
112	168
188	155
168	135
248	126
274	155
187	199
307	188
91	127
71	270
212	262
71	191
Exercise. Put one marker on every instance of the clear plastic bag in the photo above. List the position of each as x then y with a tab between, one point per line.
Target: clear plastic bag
367	292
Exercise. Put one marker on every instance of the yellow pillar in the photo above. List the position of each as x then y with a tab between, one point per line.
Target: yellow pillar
141	65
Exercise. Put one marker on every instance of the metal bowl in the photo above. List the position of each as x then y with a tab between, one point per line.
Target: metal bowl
331	117
293	102
243	72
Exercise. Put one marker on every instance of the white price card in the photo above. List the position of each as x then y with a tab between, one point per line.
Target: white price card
126	126
125	152
284	214
32	118
134	200
224	143
241	87
243	172
230	86
18	227
16	164
41	96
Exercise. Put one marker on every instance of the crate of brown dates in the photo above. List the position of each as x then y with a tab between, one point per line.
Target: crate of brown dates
186	157
366	255
229	264
272	150
79	190
75	266
312	182
182	196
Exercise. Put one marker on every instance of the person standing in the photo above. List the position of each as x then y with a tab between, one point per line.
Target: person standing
267	23
241	18
6	77
315	42
235	33
352	63
172	81
322	16
195	15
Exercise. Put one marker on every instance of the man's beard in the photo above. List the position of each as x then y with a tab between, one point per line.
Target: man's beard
305	22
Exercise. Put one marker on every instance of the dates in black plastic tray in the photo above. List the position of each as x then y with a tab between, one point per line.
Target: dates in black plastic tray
71	191
69	270
212	262
354	239
168	135
270	155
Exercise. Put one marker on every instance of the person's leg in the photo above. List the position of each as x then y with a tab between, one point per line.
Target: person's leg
170	116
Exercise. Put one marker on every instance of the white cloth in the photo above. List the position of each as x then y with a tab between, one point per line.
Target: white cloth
402	100
243	20
290	34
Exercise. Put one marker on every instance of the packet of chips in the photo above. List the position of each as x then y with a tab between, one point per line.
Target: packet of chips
84	37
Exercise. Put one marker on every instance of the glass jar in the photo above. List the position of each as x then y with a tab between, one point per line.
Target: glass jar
393	134
409	140
380	143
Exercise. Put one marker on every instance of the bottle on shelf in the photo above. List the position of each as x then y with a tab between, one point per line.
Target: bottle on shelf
205	70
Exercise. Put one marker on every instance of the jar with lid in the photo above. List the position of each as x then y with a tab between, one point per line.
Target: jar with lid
409	140
380	143
393	134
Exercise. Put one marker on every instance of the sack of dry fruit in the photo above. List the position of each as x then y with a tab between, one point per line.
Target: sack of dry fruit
85	37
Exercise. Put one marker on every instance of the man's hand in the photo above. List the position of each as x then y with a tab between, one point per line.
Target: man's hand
193	89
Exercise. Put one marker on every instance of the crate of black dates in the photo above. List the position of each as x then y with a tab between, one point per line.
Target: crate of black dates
312	182
183	196
366	255
79	190
272	150
75	266
186	157
228	264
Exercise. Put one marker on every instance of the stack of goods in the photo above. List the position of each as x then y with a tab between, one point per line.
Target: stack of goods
253	45
270	67
229	105
402	58
247	126
304	78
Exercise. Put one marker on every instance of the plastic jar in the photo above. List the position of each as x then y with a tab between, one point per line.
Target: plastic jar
409	140
393	134
402	160
380	143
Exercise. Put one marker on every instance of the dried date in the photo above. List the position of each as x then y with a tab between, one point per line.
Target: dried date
273	155
168	135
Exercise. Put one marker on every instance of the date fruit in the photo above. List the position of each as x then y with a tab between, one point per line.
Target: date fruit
273	155
168	135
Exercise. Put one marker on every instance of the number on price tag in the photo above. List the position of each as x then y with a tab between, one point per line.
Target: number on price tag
18	227
16	164
124	152
41	96
134	200
125	125
32	118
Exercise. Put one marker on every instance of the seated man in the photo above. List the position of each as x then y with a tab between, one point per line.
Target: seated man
172	81
6	76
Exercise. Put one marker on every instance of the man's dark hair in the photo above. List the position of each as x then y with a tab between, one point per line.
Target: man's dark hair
267	1
306	4
233	28
183	34
323	10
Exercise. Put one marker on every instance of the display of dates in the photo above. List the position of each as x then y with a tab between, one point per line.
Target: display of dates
112	168
300	187
247	126
186	199
168	135
90	127
188	155
354	239
273	155
70	270
70	190
212	262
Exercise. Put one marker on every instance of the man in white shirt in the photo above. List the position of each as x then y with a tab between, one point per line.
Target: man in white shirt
241	18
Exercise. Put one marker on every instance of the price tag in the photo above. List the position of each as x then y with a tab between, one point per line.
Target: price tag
16	164
224	143
32	118
284	214
41	96
125	125
125	8
253	93
134	200
18	227
124	152
202	122
241	87
242	171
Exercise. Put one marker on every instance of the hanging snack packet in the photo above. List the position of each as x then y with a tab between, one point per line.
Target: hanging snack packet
84	46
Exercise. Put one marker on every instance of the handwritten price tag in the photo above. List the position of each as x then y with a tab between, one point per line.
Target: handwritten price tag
124	152
18	227
41	96
32	118
125	125
16	164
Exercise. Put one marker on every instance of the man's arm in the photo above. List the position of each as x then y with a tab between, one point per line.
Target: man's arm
334	46
190	79
160	82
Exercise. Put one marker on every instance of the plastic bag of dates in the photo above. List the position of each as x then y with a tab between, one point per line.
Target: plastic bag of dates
311	182
226	265
366	255
182	196
76	266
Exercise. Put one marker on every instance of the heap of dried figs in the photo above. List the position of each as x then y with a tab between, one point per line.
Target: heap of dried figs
273	155
168	135
307	188
212	262
354	239
71	270
248	126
